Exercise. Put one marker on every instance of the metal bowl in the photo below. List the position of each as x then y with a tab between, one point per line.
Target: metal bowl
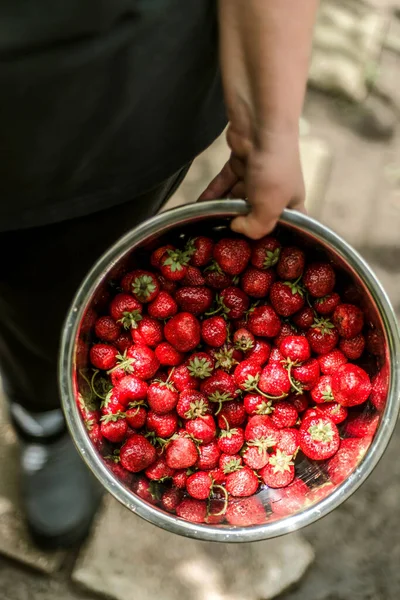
202	218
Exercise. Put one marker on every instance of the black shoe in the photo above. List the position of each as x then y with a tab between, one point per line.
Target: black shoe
59	494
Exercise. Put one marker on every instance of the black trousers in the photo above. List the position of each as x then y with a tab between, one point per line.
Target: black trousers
40	270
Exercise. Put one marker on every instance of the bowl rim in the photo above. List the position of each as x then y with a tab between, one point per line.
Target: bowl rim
226	209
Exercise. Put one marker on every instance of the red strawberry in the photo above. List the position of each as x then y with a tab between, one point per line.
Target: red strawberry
304	318
307	374
243	339
242	483
144	286
326	305
201	365
279	472
215	278
232	255
319	437
208	456
220	387
149	332
192	404
114	427
353	347
229	462
182	379
331	361
260	352
171	498
362	425
286	298
159	470
256	283
291	263
247	375
162	397
380	386
255	404
276	357
103	356
350	385
195	300
349	320
299	402
233	412
199	485
164	426
264	322
193	277
284	415
166	284
334	411
244	512
156	255
214	331
136	416
287	330
346	459
173	264
262	427
183	332
123	342
181	453
230	441
265	252
179	479
163	307
202	429
137	453
255	455
88	321
375	342
201	251
143	361
289	441
167	355
234	302
288	500
107	329
125	309
295	348
319	279
145	489
323	336
322	392
192	510
274	381
111	405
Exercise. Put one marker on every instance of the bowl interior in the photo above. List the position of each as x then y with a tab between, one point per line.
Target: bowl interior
280	507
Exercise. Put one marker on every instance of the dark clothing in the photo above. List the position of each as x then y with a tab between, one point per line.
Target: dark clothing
100	101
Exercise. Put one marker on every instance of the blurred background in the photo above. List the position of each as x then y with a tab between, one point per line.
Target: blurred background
351	159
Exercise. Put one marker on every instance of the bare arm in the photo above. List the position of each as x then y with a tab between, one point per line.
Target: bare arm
265	50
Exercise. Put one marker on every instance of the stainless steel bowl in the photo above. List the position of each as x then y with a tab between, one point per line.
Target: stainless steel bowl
202	218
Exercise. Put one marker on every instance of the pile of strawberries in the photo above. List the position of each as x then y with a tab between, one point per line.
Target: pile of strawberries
220	369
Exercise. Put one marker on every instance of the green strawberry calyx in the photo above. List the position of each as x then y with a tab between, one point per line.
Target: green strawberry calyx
224	358
325	326
271	258
176	260
220	398
321	432
251	382
231	466
130	320
263	443
200	367
143	286
244	343
264	408
113	418
280	461
198	408
295	286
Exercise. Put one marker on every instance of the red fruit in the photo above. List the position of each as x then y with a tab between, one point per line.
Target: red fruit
247	375
326	305
319	437
289	441
319	279
244	512
173	264
230	441
256	283
334	411
323	336
88	321
125	309
291	263
288	500
307	374
264	322
331	361
274	381
166	284
183	332
200	365
144	489
243	340
201	251
287	330
234	302
156	255
143	361
295	348
299	402
322	392
233	412
171	498
350	385
162	397
114	427
103	356
229	462
375	342
276	357
130	389
193	277
137	453
265	252
195	300
380	386
163	307
203	428
304	318
179	479
346	459
220	387
284	415
167	355
349	320
192	404
181	453
111	405
255	404
182	379
192	510
354	347
286	298
149	332
279	472
199	485
362	425
164	426
215	278
242	483
159	470
136	417
123	342
107	329
214	331
260	352
256	456
262	427
232	255
144	286
208	456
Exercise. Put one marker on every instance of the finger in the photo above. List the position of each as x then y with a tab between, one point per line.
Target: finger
251	226
221	184
298	204
238	190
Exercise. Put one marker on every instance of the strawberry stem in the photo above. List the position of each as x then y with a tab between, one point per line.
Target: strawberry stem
225	505
257	389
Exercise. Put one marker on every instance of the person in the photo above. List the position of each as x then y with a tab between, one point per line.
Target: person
103	107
